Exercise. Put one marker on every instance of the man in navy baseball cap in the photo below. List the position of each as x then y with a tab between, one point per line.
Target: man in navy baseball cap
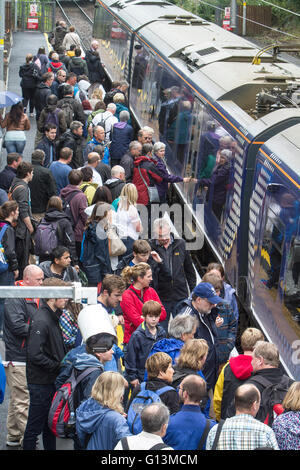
202	300
205	290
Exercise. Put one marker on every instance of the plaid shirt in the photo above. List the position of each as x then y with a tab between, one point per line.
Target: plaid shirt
243	432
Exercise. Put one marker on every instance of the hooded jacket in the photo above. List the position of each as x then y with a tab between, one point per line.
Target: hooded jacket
78	66
59	34
69	274
139	346
107	426
78	204
95	68
95	254
42	187
121	135
150	174
40	98
77	108
115	185
6	177
21	194
30	74
16	326
75	143
235	372
53	114
65	232
8	242
55	66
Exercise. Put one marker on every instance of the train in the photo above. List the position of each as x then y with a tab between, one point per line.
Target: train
203	89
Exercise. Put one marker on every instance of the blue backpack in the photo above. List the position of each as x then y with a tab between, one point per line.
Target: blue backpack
140	401
3	261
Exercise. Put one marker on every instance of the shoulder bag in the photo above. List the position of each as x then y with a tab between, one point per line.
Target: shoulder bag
152	190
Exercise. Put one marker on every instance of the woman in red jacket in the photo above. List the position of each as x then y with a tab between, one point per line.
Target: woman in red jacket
139	277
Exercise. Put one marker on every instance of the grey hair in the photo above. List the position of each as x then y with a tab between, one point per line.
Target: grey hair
134	143
226	153
75	125
182	324
116	170
162	222
154	416
157	146
124	116
111	106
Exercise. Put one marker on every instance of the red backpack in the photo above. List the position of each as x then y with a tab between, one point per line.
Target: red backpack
61	417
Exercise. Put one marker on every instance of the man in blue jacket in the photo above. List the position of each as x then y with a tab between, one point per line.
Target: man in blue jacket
200	304
187	429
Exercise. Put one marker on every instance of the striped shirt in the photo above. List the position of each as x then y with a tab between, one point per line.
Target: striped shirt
243	432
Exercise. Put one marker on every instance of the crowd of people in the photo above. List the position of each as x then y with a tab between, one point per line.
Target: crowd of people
174	380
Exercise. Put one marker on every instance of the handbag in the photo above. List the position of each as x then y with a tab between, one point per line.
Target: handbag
152	190
115	245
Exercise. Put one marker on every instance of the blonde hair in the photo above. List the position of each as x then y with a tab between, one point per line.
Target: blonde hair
128	196
131	273
119	98
29	58
291	401
158	362
250	337
108	390
97	94
192	354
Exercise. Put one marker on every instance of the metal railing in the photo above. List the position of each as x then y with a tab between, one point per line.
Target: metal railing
76	292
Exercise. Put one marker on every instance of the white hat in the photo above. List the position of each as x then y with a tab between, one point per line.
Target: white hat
94	319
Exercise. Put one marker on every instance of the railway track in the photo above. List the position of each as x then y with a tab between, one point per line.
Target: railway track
78	16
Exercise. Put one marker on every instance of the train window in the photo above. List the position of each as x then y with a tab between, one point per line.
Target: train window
114	44
272	245
215	165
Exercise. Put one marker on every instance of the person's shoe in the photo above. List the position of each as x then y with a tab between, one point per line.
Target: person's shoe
13	443
31	114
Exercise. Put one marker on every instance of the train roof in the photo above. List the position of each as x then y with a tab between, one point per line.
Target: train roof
205	52
284	151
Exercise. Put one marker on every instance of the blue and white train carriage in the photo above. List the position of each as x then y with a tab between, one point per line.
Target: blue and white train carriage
201	89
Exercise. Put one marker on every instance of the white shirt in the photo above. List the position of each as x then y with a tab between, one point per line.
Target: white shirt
126	221
142	441
96	176
109	119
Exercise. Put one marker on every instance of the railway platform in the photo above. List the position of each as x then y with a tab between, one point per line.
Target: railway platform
22	44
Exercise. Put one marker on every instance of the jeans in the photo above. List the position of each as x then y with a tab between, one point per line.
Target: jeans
15	146
40	402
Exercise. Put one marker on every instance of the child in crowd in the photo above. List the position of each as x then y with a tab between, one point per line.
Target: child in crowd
142	341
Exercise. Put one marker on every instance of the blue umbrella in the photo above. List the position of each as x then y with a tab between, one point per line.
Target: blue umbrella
8	98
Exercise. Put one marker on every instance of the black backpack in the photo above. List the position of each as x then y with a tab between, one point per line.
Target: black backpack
67	208
76	68
271	398
67	108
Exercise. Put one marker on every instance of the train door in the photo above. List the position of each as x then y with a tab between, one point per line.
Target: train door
275	294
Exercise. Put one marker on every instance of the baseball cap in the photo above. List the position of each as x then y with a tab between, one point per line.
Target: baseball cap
205	290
